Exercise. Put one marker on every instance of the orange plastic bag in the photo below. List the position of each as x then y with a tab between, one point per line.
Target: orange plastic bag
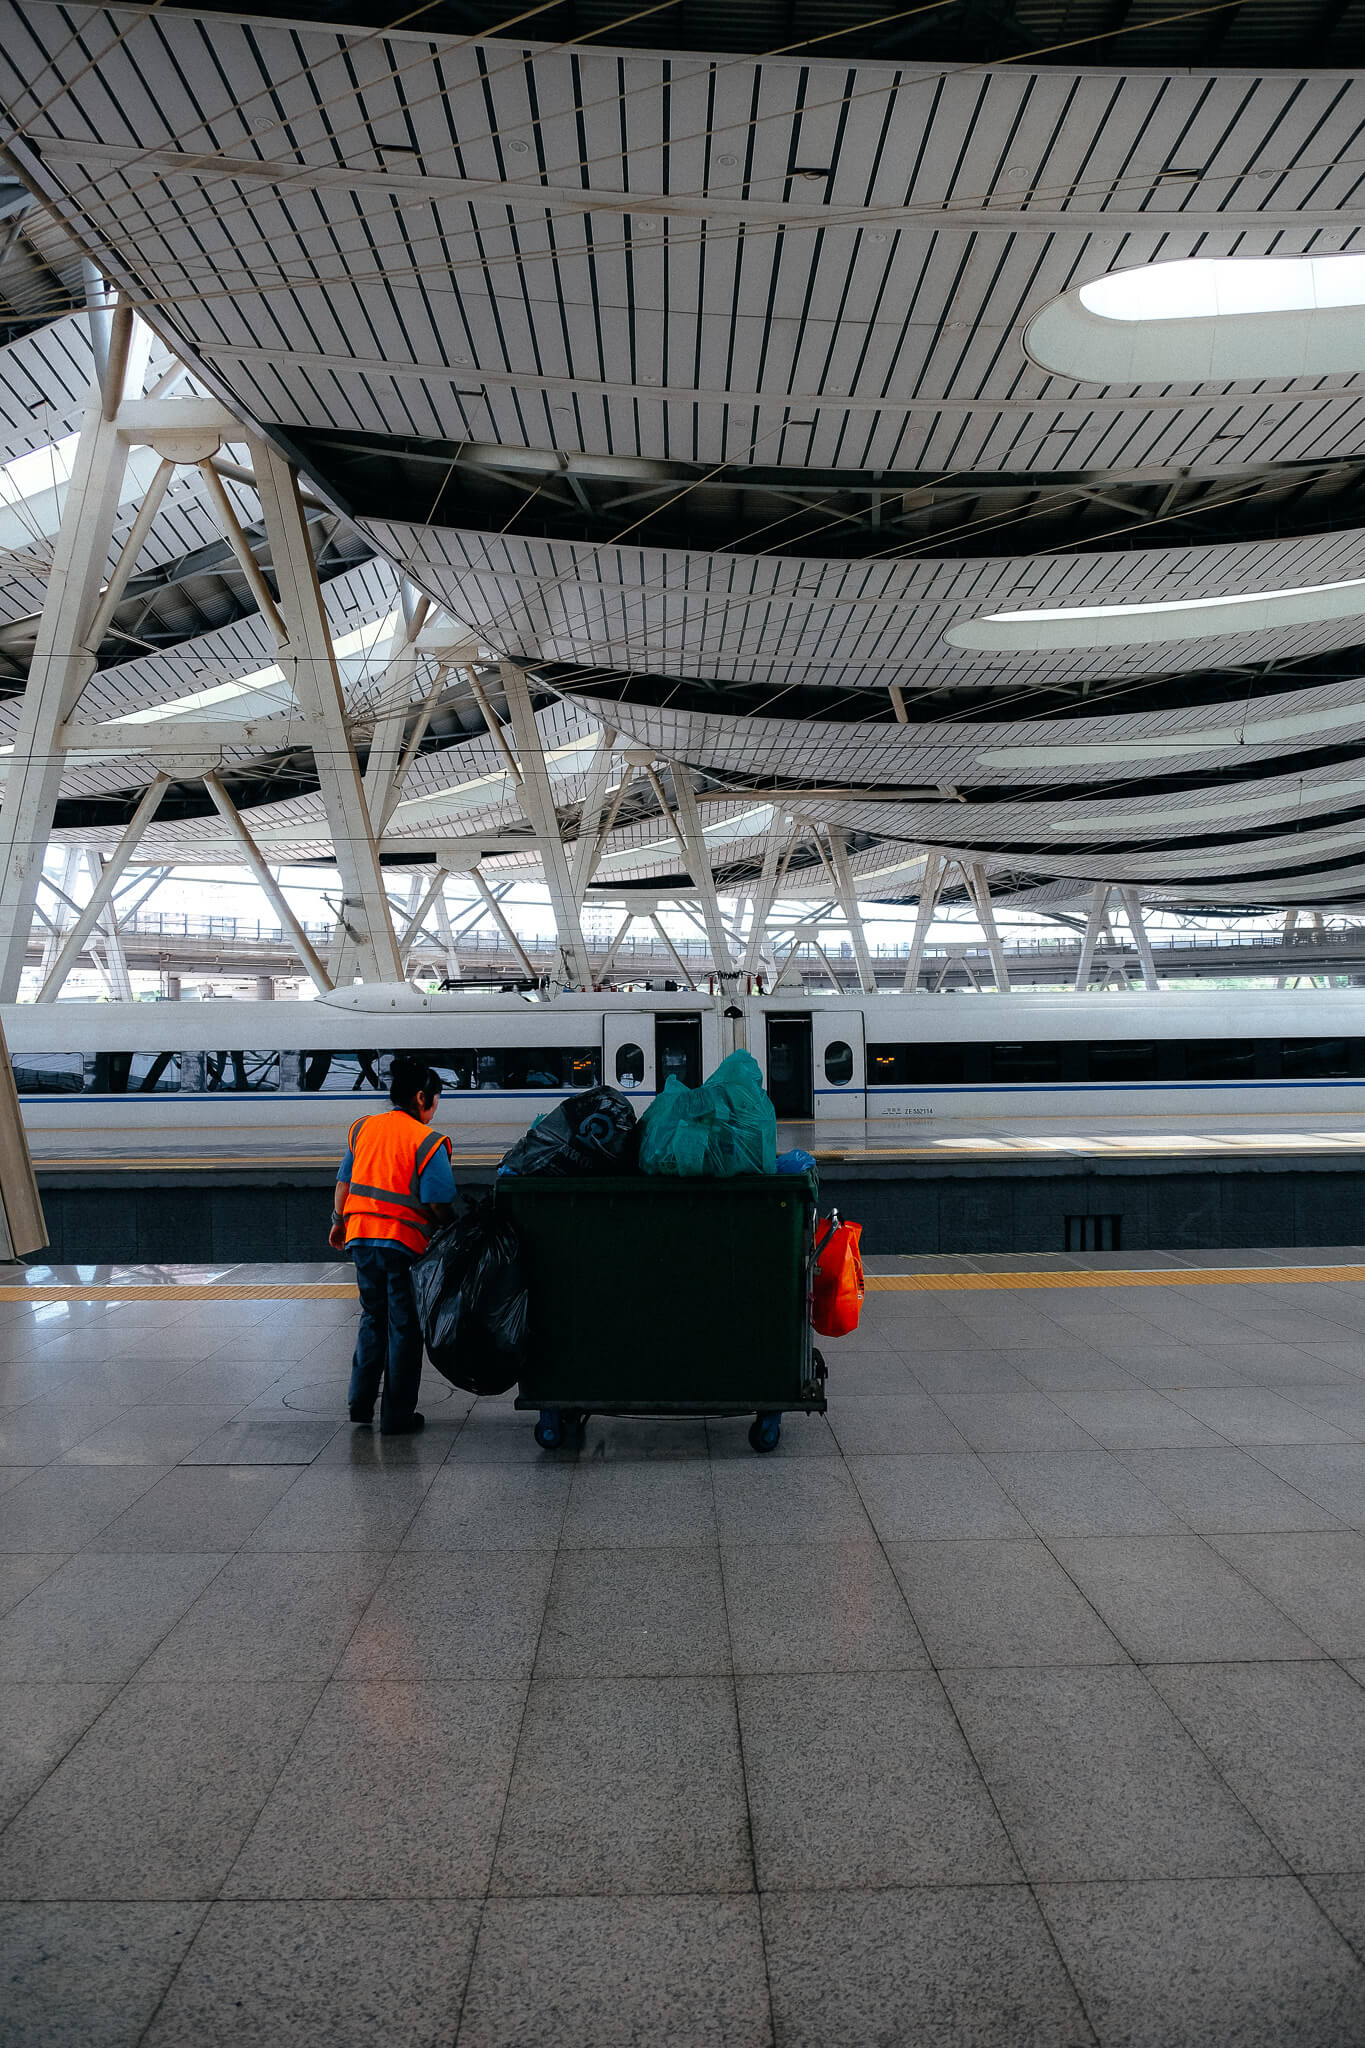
839	1287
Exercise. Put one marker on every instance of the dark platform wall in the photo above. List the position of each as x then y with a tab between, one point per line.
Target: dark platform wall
1171	1205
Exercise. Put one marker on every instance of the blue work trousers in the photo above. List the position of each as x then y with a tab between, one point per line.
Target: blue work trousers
388	1345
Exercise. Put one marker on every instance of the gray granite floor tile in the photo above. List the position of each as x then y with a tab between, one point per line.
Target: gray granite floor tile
1171	1597
1206	1962
217	1381
1072	1367
38	1725
803	1436
1333	1475
89	1976
1342	1407
452	1614
1125	1422
999	1603
98	1617
303	1974
863	1779
626	1785
1003	1421
911	1422
1287	1367
504	1438
1257	1415
870	1372
643	1613
1225	1491
155	1800
1095	1778
1317	1579
198	1507
286	1440
1167	1366
817	1607
150	1434
270	1617
1081	1493
963	1370
672	1972
394	1792
914	1499
41	1430
1342	1899
814	1501
1290	1741
956	1967
367	1450
492	1507
333	1508
22	1570
639	1439
620	1507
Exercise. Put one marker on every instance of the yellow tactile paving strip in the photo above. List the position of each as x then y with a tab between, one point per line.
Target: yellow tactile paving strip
877	1283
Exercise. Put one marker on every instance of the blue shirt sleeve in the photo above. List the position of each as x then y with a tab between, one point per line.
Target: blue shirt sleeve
347	1167
437	1183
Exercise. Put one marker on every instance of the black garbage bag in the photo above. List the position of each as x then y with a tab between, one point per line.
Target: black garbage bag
590	1133
471	1301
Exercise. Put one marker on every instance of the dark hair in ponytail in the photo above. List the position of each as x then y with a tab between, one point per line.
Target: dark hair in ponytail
410	1077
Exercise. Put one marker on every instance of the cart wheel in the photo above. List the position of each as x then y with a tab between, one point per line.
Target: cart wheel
765	1432
819	1358
549	1433
573	1420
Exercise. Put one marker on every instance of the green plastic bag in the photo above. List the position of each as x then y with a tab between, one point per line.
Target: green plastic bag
726	1126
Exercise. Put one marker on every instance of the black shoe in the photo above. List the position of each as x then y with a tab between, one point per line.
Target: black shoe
408	1427
365	1421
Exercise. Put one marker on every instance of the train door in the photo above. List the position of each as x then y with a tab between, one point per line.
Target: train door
677	1049
628	1052
840	1080
790	1070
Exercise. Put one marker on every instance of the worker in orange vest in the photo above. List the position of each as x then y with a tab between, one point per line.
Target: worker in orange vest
394	1186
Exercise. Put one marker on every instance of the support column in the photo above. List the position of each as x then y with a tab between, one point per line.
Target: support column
591	816
537	801
978	888
843	877
1094	924
62	665
265	881
447	935
309	665
103	889
495	911
1132	907
930	889
687	825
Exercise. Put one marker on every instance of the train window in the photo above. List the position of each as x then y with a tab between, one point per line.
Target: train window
49	1073
346	1073
1121	1062
839	1063
133	1073
488	1069
548	1066
911	1066
1026	1063
532	1066
630	1065
1321	1059
1220	1059
455	1067
241	1073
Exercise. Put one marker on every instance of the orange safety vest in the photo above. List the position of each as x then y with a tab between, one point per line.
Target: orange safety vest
388	1153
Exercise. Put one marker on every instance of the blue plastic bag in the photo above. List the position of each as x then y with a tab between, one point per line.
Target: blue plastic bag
725	1127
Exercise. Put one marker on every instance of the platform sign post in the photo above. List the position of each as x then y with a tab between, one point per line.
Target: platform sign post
22	1228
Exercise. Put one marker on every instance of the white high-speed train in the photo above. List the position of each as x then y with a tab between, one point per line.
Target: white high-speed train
243	1070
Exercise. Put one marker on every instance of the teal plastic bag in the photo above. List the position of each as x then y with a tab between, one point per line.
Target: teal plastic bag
725	1127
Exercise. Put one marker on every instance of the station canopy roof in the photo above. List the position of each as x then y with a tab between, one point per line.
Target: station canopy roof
694	358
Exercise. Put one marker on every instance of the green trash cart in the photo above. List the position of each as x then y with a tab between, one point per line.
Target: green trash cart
660	1296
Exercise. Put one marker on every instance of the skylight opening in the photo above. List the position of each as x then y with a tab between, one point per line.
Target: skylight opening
1211	287
1208	319
1142	625
42	469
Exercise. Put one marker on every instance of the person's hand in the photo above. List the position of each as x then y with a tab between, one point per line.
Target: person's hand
336	1237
